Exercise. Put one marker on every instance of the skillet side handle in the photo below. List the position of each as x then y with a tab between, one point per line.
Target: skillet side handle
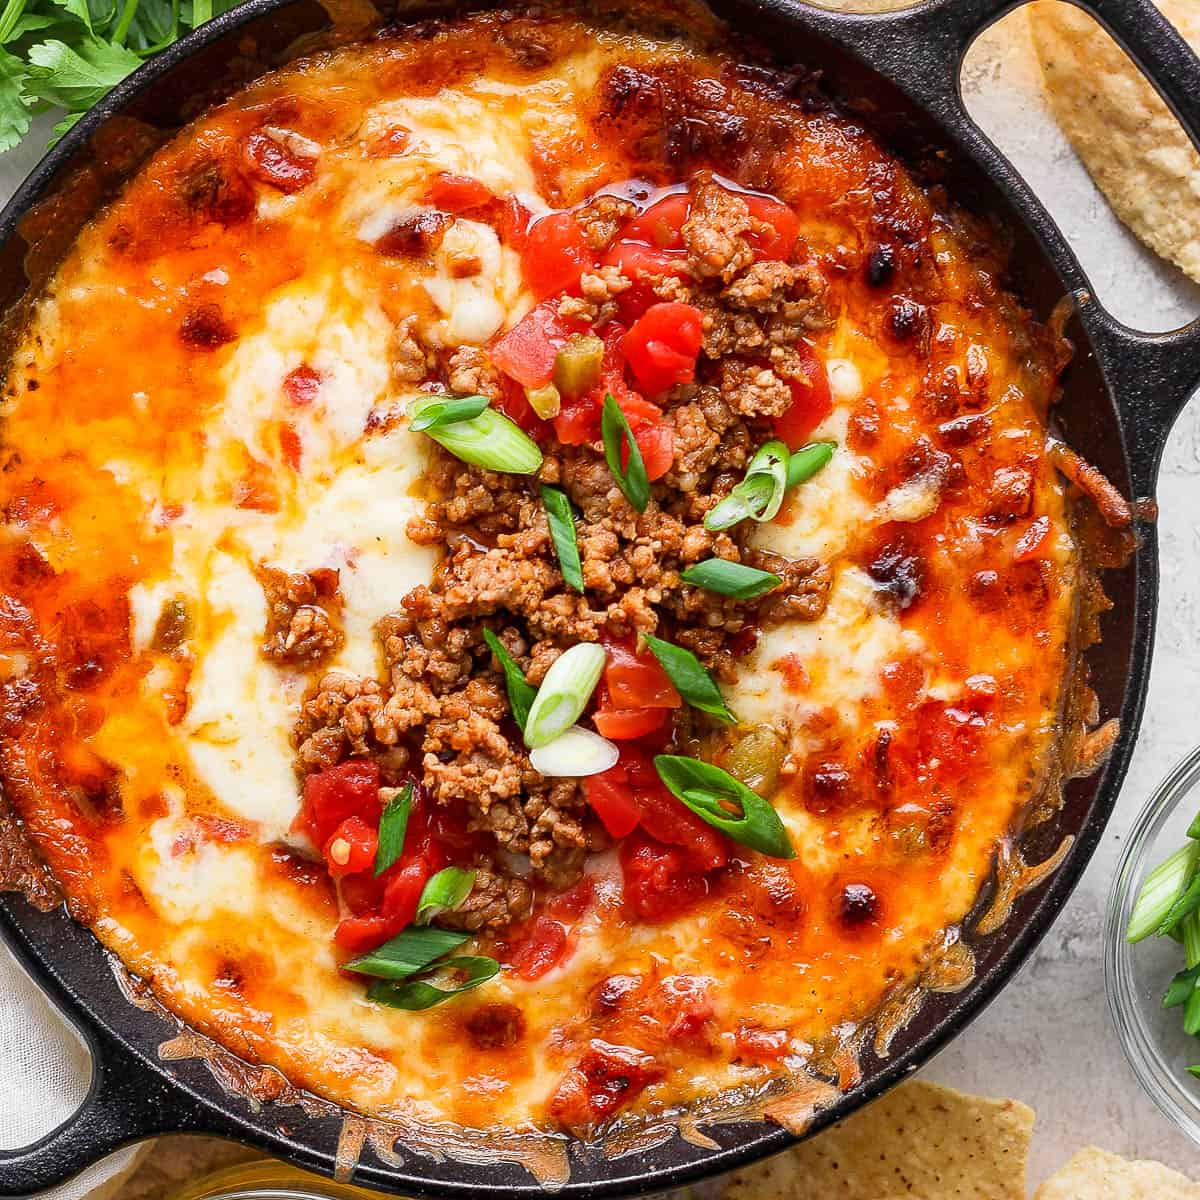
125	1104
1152	377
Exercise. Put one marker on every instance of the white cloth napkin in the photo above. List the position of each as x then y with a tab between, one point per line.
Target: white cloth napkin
45	1071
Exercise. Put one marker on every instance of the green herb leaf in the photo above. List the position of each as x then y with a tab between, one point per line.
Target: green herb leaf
520	691
446	411
407	953
565	692
561	519
1193	830
631	479
690	678
15	116
444	892
77	78
393	824
726	804
1163	886
489	440
730	578
1181	987
808	460
467	972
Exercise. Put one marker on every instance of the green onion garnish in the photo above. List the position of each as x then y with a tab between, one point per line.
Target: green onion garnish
760	495
1164	885
444	892
407	953
1181	987
730	578
488	439
1185	905
392	826
468	972
446	410
808	460
631	479
520	692
726	804
565	692
562	533
690	678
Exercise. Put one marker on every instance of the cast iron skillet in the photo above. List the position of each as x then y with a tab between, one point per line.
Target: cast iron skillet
1123	392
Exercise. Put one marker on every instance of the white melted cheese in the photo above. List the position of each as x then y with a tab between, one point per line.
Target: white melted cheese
841	654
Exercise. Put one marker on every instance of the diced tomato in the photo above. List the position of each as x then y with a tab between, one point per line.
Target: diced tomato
575	901
527	351
357	935
642	264
761	1045
637	680
330	796
390	143
660	225
363	893
513	225
611	799
350	848
541	950
1033	541
662	345
605	1079
811	402
685	1005
277	165
779	243
403	890
654	437
555	254
458	193
514	404
302	384
657	444
621	724
659	882
949	737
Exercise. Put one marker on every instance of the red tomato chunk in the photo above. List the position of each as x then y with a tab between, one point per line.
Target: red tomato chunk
663	345
606	1078
276	165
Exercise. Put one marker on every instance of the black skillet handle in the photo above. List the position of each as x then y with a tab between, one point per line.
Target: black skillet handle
921	49
1152	376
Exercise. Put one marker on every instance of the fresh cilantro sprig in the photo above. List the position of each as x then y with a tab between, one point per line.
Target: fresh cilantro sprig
68	54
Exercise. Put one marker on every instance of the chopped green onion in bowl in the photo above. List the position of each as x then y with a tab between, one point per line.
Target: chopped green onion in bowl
486	439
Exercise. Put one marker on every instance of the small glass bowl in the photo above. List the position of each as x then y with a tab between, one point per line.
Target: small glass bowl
268	1179
1135	977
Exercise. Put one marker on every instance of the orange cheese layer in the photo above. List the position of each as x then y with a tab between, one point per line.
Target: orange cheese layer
154	454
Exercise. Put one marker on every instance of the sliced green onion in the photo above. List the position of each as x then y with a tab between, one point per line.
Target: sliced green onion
808	460
574	755
730	578
1181	987
1194	1071
1190	930
446	410
1193	830
1191	1013
1164	885
393	823
690	678
407	953
726	804
564	693
1185	905
489	440
416	994
444	892
561	519
520	691
760	495
631	479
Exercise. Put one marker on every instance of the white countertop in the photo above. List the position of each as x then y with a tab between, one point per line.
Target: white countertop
1047	1039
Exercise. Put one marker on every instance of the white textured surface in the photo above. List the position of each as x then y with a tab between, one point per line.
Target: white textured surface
1047	1039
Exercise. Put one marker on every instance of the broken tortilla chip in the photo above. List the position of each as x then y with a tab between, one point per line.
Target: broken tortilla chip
917	1142
1094	1174
1131	144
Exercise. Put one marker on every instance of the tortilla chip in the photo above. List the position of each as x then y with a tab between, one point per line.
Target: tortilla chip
1097	1175
1133	147
917	1142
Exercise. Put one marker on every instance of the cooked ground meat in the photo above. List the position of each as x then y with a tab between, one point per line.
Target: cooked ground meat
302	611
442	706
